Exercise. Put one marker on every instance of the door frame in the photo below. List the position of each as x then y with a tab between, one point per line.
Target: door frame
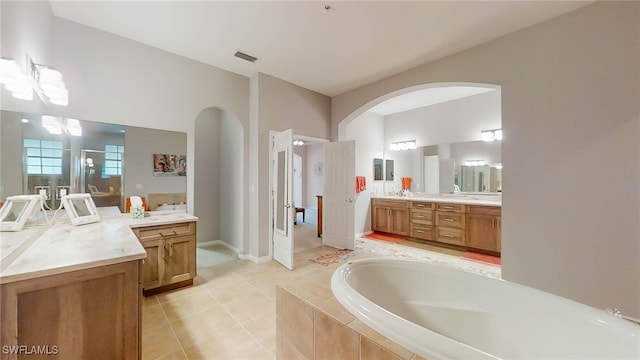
272	134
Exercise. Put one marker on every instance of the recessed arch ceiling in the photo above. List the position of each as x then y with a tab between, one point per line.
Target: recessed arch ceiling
352	44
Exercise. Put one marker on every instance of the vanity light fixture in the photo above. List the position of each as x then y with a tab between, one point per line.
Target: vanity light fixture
50	84
15	80
403	145
491	135
55	125
52	124
298	142
475	163
73	127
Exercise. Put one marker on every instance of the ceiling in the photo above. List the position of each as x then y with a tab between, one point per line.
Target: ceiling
329	47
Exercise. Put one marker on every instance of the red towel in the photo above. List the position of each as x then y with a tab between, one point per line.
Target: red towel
361	184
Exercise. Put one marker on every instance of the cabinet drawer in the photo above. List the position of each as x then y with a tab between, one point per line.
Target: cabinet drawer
450	236
461	208
425	232
165	231
422	205
450	220
404	204
485	210
422	217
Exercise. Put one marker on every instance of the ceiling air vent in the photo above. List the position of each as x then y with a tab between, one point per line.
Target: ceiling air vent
244	56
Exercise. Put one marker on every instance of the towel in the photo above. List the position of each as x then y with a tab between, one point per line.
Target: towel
406	183
361	184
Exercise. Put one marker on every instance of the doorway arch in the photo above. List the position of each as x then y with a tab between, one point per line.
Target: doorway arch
218	168
368	149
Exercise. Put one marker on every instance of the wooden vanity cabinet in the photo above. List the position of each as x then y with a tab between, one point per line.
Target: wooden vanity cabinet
451	223
390	216
171	256
93	313
484	228
422	220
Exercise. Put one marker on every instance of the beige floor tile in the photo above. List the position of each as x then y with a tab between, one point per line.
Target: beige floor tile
150	300
204	326
250	307
180	293
234	343
176	355
158	341
152	316
230	292
188	305
264	330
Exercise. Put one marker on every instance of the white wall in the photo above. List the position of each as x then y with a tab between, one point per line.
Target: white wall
449	122
139	146
368	132
283	105
231	174
313	174
569	107
206	171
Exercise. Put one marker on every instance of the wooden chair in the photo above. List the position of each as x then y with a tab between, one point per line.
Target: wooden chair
295	215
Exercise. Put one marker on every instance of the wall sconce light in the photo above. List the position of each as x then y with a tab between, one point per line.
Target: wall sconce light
52	124
73	127
475	163
298	142
49	82
403	145
14	80
490	135
56	125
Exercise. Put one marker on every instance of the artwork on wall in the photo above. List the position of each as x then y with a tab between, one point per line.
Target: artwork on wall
169	165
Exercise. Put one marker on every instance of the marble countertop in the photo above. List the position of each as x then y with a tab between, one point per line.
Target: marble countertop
486	200
39	250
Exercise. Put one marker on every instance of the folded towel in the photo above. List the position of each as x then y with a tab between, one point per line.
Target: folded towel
406	183
361	183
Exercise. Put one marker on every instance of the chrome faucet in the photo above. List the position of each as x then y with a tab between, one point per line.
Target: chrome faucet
617	313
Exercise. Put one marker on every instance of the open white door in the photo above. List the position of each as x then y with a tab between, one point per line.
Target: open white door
338	203
282	198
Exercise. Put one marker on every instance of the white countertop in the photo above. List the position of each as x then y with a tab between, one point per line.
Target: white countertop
40	249
471	199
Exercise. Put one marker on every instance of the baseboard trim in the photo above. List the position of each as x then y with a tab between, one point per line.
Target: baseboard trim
220	242
252	258
255	259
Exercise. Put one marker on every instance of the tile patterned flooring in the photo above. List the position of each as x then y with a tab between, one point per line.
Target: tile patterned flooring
230	311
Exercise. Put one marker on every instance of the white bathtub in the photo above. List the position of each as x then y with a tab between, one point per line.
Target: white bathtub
442	312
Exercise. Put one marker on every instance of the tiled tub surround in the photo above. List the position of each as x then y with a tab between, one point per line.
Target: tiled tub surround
311	324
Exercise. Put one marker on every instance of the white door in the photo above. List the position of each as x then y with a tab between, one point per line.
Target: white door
283	198
338	202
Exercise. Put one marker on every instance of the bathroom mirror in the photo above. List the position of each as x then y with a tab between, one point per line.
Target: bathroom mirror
439	168
388	170
92	163
377	169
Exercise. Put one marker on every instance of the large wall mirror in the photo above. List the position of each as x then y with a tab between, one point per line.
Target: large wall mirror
55	154
472	167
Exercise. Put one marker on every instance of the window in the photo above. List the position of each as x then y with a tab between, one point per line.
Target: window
44	157
112	160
